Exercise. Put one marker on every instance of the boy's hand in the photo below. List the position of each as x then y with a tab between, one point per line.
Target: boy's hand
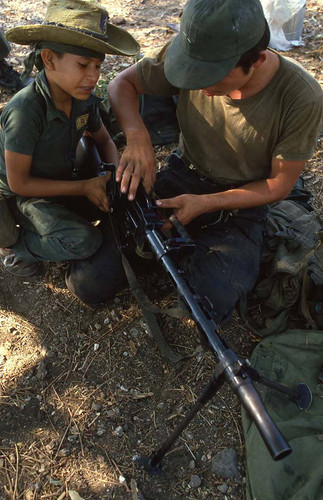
95	190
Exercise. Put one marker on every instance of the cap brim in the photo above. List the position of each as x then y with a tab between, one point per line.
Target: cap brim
120	41
185	72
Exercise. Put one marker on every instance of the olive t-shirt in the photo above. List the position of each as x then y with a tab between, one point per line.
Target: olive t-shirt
231	140
32	125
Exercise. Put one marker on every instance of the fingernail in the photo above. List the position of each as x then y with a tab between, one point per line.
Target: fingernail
131	197
159	203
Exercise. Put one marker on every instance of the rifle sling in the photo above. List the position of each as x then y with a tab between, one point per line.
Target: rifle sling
149	311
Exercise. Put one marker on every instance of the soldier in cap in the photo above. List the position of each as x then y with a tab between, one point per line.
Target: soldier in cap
249	119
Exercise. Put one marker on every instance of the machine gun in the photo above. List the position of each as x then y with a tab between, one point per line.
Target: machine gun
140	221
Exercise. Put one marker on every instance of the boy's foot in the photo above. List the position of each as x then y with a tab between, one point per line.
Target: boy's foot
16	266
9	78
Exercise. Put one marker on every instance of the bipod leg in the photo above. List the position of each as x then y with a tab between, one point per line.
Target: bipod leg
153	464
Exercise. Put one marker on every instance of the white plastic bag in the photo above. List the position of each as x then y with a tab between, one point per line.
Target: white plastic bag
277	13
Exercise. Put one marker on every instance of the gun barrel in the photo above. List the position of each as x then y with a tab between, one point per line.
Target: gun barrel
239	381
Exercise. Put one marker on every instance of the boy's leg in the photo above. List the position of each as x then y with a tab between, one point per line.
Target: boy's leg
98	278
51	232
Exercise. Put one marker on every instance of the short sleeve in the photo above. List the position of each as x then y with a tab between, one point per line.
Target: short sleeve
301	128
151	75
22	130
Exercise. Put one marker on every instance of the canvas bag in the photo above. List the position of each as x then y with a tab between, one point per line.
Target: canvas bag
290	358
292	268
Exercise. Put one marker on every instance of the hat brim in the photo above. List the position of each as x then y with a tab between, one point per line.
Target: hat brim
185	72
120	41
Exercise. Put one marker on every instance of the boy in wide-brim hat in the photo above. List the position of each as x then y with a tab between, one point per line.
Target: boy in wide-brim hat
40	130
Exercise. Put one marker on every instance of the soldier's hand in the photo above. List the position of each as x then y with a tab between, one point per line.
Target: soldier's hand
137	163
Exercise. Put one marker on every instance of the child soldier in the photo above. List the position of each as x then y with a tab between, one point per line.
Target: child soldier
41	127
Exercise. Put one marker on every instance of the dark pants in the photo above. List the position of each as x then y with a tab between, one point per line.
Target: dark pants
224	266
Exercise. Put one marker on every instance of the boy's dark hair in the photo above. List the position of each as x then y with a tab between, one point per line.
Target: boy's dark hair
251	56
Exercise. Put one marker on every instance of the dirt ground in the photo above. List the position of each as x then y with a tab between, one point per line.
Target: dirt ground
84	391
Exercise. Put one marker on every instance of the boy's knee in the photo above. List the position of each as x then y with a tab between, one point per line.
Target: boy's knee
84	242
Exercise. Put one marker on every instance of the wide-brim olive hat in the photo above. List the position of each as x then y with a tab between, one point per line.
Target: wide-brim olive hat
213	36
79	23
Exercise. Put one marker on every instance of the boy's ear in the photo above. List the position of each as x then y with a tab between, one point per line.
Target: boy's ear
47	56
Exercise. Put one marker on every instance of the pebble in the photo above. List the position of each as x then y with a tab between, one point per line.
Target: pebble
223	488
192	464
96	407
64	452
118	21
134	332
38	322
101	431
195	481
224	463
118	431
113	413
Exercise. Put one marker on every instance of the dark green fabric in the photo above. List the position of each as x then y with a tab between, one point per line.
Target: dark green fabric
289	358
4	46
32	125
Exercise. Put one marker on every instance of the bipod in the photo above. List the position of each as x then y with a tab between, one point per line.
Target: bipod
302	396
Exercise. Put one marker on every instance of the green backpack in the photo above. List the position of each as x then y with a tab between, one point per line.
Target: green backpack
290	358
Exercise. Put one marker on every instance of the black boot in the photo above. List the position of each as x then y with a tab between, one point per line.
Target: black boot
9	78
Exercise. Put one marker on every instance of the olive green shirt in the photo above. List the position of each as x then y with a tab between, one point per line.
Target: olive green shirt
234	141
32	125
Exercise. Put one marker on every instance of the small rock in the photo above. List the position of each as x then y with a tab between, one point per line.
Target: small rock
38	322
118	431
96	407
134	332
116	300
191	465
42	371
224	464
64	452
106	321
101	431
118	21
97	326
113	413
195	481
223	488
160	405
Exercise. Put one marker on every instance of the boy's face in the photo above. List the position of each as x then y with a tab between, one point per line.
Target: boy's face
75	75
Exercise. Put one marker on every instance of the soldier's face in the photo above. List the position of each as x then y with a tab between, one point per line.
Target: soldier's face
235	80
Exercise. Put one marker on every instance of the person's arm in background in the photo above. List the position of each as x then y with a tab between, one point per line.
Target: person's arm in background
138	160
